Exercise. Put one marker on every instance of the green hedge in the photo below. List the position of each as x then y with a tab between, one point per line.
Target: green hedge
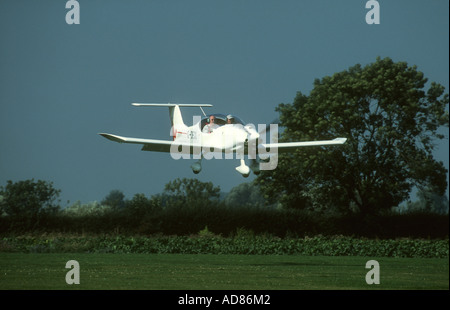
242	243
224	221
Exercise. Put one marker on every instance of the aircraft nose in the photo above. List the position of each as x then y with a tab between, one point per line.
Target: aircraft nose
253	135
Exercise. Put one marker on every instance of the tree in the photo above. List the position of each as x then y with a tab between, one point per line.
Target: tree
29	199
191	192
140	205
1	205
245	195
391	123
115	199
92	208
429	201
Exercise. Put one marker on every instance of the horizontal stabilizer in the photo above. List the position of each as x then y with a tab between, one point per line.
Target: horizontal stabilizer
171	105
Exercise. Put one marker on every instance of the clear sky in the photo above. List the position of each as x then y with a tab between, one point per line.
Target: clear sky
62	84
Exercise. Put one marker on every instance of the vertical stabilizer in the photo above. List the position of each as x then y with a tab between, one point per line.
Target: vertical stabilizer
176	119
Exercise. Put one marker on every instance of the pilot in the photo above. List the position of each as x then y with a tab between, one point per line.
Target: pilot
230	119
211	125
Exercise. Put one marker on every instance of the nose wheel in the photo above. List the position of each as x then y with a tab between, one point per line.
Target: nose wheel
243	169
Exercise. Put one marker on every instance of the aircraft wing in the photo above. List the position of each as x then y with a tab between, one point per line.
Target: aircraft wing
153	145
285	147
165	145
148	144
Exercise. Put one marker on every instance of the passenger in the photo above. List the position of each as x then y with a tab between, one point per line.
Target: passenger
211	125
230	119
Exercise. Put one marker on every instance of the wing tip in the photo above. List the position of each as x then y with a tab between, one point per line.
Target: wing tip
111	137
341	140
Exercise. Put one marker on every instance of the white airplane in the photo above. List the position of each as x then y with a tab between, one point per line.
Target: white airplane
213	135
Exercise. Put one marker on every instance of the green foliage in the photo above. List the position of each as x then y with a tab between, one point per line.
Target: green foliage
115	199
183	192
29	202
247	244
429	201
1	206
245	195
90	209
205	233
391	123
143	215
150	218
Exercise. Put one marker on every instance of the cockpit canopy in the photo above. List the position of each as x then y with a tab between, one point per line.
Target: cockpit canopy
221	119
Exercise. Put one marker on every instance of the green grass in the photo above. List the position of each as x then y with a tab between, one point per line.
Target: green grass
218	272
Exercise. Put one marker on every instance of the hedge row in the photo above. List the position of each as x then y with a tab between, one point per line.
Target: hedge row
225	221
243	244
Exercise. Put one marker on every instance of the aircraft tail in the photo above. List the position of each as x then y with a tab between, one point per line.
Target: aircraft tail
176	119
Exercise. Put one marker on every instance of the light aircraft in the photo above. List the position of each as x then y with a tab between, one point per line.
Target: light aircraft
228	135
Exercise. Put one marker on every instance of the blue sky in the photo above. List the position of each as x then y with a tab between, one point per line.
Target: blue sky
62	84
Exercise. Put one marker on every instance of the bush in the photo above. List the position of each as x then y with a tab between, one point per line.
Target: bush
147	216
244	242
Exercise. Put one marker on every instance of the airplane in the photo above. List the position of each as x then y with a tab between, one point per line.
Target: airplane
228	135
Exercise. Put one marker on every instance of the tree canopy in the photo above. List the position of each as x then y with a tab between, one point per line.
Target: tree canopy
115	199
245	195
390	115
29	198
191	192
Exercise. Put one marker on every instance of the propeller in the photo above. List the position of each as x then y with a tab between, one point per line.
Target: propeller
252	134
252	142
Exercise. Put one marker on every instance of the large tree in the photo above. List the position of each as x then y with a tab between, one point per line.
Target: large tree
29	198
391	117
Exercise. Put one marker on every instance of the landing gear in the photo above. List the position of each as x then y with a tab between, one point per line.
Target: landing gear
254	166
243	169
197	167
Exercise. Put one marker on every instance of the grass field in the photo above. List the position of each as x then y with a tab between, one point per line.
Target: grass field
218	272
